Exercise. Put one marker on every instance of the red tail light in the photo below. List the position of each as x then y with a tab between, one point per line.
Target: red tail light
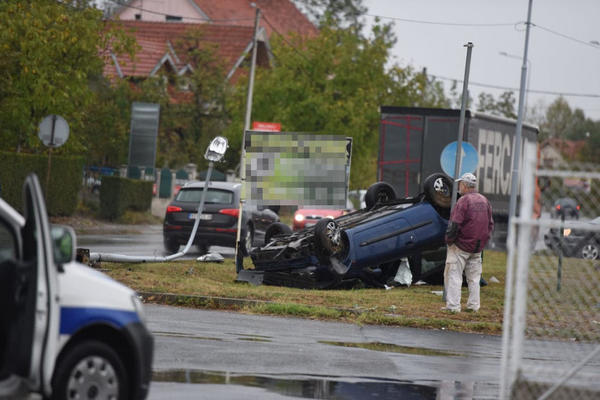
558	206
171	209
234	212
578	207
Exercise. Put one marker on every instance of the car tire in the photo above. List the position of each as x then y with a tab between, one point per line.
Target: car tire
247	240
328	238
590	250
90	369
438	190
171	245
276	228
379	192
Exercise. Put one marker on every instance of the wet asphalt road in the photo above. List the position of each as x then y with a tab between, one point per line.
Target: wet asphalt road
222	355
203	354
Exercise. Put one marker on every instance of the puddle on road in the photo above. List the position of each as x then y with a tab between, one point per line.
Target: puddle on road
250	335
184	335
393	348
254	339
309	388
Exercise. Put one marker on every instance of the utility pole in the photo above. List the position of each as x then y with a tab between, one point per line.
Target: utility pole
461	123
239	257
514	182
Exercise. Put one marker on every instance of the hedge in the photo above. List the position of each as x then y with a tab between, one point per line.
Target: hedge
119	194
64	185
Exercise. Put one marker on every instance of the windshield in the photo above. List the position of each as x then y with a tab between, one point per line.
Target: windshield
213	196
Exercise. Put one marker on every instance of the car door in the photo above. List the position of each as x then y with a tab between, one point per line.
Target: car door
32	317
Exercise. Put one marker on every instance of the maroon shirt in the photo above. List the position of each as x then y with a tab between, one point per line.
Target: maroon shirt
473	216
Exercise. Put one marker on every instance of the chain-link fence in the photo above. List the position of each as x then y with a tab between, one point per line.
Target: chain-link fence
551	340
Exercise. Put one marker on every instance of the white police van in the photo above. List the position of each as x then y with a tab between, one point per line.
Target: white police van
66	331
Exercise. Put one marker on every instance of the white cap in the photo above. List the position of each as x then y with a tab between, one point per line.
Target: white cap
468	178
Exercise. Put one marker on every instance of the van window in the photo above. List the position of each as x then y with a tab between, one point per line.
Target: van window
8	244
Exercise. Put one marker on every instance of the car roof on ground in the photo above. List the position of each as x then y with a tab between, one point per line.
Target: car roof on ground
214	185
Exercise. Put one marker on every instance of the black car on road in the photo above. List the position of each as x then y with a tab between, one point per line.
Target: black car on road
218	221
583	243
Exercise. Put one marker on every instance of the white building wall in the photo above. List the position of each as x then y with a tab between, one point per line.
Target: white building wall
156	10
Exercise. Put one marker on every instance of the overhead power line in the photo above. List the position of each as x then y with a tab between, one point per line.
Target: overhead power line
566	94
419	21
593	46
487	25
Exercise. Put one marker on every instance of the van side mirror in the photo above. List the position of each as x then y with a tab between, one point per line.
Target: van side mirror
63	240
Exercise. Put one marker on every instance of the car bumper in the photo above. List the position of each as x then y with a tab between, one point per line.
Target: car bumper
225	237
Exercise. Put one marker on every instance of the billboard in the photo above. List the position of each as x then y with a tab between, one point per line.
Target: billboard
144	130
297	169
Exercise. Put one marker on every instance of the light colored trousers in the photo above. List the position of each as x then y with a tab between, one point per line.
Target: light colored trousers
458	261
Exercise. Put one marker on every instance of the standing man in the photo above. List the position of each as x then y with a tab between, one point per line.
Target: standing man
469	230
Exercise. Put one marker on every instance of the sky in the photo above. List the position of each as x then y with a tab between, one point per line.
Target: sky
556	63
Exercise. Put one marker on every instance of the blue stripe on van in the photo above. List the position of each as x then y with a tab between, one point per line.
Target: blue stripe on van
74	318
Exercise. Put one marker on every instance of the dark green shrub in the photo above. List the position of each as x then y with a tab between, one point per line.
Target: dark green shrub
64	184
119	194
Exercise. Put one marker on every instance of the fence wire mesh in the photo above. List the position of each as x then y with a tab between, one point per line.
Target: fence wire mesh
552	338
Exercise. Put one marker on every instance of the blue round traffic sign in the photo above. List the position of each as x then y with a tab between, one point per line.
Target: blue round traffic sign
469	162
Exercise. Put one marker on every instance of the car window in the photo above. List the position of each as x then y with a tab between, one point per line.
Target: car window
8	243
213	196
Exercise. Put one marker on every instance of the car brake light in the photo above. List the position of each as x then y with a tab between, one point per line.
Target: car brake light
558	206
234	212
578	207
171	209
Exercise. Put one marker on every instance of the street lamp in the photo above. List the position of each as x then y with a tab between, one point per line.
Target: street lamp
505	54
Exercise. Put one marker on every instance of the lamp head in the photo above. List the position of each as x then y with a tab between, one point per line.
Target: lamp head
216	149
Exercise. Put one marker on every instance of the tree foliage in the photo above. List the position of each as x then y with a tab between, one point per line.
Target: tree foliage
504	106
341	12
50	51
562	122
333	84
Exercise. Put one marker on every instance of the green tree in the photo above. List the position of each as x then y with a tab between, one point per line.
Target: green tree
342	12
191	105
504	106
50	50
333	84
563	122
455	100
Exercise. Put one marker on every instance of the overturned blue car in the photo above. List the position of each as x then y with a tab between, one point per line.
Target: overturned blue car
366	245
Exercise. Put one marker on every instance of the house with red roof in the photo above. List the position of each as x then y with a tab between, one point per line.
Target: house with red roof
161	48
225	25
277	16
556	151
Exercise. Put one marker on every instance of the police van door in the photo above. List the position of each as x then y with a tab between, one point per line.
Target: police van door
31	317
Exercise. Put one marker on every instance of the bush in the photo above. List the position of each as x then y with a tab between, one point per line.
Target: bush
64	185
120	194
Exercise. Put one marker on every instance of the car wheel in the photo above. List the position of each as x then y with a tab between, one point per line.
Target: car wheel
590	250
276	228
438	190
171	246
379	192
247	240
328	238
91	369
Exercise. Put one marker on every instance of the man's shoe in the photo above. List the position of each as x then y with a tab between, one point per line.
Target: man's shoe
450	310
